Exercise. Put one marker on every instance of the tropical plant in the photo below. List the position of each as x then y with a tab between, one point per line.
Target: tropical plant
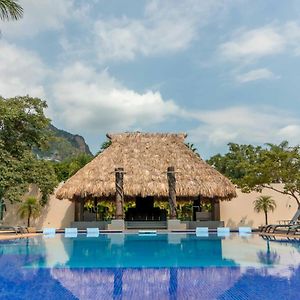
23	126
264	204
256	168
10	10
268	257
30	208
104	146
69	167
193	148
185	211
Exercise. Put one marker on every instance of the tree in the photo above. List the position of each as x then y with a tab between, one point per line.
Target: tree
193	148
104	146
264	204
23	126
10	10
30	208
69	167
255	168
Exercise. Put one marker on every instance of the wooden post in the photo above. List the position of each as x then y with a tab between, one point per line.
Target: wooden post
81	211
215	209
172	191
77	210
119	193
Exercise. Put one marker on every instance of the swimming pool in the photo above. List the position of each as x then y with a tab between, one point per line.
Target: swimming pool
165	266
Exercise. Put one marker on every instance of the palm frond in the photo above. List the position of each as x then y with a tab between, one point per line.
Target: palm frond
10	10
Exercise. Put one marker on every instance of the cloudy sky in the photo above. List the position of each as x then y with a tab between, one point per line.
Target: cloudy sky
221	71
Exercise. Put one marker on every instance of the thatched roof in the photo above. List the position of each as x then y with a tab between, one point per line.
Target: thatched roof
145	158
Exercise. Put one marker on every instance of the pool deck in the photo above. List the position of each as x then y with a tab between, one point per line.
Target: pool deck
280	235
10	235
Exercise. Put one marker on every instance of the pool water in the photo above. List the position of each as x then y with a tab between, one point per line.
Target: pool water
165	266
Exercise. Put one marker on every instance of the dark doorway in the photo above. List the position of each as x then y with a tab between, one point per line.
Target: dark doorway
144	210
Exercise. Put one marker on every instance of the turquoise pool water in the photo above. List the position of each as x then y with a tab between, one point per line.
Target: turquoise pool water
166	266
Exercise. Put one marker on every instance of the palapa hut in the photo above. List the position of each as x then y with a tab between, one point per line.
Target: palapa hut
145	167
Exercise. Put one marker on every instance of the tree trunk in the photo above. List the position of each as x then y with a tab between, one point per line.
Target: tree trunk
28	220
119	193
172	191
266	217
296	216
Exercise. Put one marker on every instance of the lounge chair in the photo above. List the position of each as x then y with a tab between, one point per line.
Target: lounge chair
15	229
245	231
201	231
71	232
92	232
223	231
49	232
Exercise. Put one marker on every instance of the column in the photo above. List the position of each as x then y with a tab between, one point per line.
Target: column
172	191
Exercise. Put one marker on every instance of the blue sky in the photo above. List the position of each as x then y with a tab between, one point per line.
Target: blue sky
221	71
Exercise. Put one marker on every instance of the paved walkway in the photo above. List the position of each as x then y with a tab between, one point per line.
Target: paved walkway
10	236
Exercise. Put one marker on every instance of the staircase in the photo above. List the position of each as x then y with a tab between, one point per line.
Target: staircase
146	224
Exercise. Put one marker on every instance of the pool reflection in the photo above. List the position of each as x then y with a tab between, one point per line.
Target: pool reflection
148	283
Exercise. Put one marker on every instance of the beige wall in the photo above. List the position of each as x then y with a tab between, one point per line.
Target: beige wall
239	211
56	213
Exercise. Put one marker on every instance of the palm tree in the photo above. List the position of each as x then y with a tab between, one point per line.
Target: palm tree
10	10
29	208
264	204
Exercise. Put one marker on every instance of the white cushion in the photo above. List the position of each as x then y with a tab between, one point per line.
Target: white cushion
92	232
223	231
47	231
245	230
202	231
71	232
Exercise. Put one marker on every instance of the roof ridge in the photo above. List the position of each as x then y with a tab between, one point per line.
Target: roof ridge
134	134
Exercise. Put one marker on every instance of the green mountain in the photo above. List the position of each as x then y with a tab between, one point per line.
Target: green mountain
63	145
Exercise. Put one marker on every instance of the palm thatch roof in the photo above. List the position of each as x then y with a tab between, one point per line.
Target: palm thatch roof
145	158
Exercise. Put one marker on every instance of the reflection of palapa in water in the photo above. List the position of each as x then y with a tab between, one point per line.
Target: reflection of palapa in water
194	283
163	250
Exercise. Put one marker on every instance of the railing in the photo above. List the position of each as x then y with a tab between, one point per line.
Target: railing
286	222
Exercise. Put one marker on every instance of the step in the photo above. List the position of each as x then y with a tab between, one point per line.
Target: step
146	224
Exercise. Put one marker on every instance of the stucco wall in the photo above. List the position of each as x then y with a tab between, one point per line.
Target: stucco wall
56	213
239	211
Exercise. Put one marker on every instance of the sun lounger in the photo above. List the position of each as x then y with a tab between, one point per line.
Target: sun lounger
15	229
202	231
223	231
71	232
92	232
49	232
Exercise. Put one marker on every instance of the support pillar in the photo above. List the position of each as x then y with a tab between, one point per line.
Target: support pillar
79	208
172	191
119	193
216	209
76	212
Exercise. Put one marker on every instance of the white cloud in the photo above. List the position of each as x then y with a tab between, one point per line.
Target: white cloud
253	75
166	27
244	125
40	16
253	44
290	133
250	45
96	101
21	72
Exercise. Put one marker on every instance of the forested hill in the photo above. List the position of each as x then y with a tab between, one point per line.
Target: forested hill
63	145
